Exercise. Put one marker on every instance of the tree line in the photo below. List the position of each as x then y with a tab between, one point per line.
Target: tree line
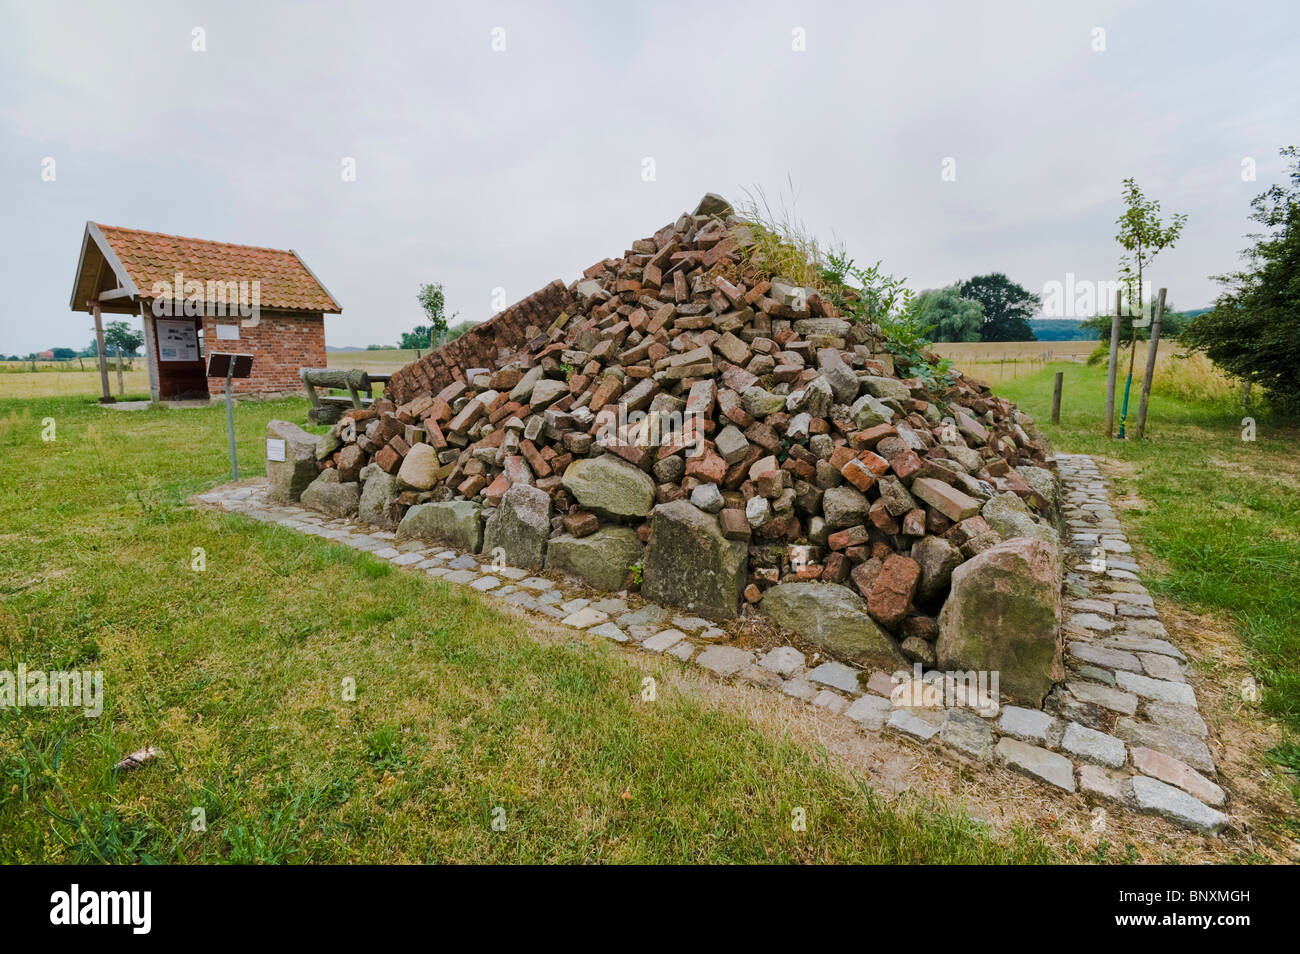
119	338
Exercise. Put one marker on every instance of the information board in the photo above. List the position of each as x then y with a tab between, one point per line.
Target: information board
177	340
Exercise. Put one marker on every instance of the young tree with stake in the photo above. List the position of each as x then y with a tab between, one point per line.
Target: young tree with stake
1143	236
432	300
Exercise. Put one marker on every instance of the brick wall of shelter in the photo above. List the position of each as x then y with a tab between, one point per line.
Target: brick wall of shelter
281	343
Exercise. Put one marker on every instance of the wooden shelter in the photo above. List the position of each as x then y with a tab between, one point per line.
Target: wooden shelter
193	293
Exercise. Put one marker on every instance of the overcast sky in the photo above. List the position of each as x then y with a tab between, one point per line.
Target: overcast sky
487	168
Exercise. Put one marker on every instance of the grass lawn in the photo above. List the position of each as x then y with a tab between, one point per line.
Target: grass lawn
1219	517
462	716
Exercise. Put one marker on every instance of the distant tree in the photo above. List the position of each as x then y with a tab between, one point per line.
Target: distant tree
1101	325
1170	325
1007	307
950	316
63	354
1173	322
419	337
458	329
1253	331
119	338
434	303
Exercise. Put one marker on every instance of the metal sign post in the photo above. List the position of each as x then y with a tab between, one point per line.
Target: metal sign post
230	366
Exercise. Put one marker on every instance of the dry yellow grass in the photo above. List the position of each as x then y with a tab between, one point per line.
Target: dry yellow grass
379	362
995	362
983	352
44	384
1192	377
66	379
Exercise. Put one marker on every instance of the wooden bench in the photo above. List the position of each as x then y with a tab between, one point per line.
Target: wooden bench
328	408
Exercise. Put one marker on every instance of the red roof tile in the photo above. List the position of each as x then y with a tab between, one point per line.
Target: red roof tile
284	280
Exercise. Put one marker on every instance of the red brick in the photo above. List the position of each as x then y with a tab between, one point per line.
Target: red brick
535	460
708	468
581	523
906	466
472	485
496	490
837	568
872	435
735	526
881	518
858	474
874	463
388	460
892	591
470	413
852	537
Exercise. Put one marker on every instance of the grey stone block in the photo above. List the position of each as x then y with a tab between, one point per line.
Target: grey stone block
836	675
967	733
1161	799
725	660
1029	725
870	712
1158	689
1093	746
1031	760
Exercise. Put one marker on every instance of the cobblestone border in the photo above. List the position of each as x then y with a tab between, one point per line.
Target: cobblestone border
1123	727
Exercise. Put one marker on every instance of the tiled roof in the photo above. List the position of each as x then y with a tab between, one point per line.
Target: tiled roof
284	280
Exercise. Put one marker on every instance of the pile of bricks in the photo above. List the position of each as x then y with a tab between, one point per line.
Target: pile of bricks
485	344
727	386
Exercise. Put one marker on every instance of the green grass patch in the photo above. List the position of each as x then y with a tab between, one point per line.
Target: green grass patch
1220	514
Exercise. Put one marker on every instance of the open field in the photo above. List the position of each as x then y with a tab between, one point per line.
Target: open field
997	361
983	352
65	379
383	362
55	384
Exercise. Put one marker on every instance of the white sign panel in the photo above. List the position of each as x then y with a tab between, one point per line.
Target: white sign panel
227	332
177	340
274	448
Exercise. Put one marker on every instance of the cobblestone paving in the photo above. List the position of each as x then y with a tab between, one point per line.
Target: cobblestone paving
1122	728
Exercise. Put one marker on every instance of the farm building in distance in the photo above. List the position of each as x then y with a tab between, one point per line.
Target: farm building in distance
196	296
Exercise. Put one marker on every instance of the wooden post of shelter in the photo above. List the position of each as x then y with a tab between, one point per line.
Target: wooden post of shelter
107	396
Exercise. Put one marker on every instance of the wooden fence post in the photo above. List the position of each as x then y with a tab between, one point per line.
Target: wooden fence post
1112	368
1151	363
1056	397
